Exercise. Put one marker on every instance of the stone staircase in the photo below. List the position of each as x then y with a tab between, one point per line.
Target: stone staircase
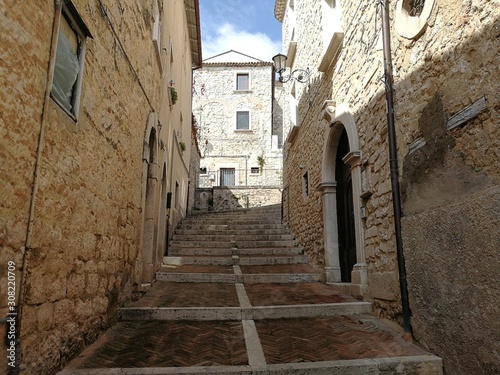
236	296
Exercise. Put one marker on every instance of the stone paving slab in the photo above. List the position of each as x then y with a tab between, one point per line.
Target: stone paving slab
166	344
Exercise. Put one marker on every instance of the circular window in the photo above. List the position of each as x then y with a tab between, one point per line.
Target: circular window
413	7
412	17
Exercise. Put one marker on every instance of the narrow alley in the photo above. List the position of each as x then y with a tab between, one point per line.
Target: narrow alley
236	296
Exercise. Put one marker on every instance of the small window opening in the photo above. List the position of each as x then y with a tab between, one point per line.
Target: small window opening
254	170
203	170
305	184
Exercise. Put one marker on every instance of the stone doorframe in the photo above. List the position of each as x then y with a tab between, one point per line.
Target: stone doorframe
151	174
338	118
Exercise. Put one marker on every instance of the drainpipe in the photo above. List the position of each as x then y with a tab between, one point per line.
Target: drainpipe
393	162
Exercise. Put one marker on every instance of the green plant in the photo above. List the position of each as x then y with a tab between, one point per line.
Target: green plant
173	94
261	162
182	146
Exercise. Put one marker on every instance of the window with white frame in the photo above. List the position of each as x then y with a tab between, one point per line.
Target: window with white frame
242	120
157	31
242	81
69	60
332	33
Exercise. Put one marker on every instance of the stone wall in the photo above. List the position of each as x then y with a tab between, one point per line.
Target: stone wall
81	257
449	176
236	197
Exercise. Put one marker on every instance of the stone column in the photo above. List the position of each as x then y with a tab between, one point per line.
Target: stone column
332	263
359	273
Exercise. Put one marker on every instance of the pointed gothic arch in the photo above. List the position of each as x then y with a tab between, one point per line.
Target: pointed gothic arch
340	119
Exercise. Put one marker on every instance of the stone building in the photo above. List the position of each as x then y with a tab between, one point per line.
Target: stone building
92	141
337	186
241	146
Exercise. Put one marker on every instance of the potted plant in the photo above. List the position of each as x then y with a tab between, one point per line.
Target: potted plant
182	145
261	162
173	93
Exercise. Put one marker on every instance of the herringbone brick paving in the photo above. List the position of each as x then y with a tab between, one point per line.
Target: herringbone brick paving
170	294
330	338
192	268
279	268
167	344
294	294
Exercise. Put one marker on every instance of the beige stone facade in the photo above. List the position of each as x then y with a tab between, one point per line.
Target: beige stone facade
445	57
240	142
225	143
90	143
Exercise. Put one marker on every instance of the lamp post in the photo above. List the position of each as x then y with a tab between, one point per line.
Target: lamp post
300	75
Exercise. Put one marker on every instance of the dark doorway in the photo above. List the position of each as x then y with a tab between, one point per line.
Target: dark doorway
345	211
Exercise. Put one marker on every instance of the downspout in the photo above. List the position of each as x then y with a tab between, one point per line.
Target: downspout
36	174
393	162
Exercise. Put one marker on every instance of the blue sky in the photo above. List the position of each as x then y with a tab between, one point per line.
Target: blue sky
241	25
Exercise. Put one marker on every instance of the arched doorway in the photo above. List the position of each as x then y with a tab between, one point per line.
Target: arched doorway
345	211
343	228
149	238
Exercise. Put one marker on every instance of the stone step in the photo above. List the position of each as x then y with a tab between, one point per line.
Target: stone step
181	243
232	260
233	221
269	251
418	365
239	313
240	237
229	227
235	232
245	278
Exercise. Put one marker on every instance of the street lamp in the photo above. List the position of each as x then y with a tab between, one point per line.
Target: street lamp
300	75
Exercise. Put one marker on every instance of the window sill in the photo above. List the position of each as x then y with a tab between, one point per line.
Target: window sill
243	130
332	51
62	108
242	91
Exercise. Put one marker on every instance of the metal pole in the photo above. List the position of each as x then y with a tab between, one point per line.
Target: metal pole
393	162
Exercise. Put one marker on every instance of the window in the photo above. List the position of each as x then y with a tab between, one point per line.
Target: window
203	170
413	7
254	170
70	56
242	120
242	81
332	34
157	31
227	176
412	17
305	184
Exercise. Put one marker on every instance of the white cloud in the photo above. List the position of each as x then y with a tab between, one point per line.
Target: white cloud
227	37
